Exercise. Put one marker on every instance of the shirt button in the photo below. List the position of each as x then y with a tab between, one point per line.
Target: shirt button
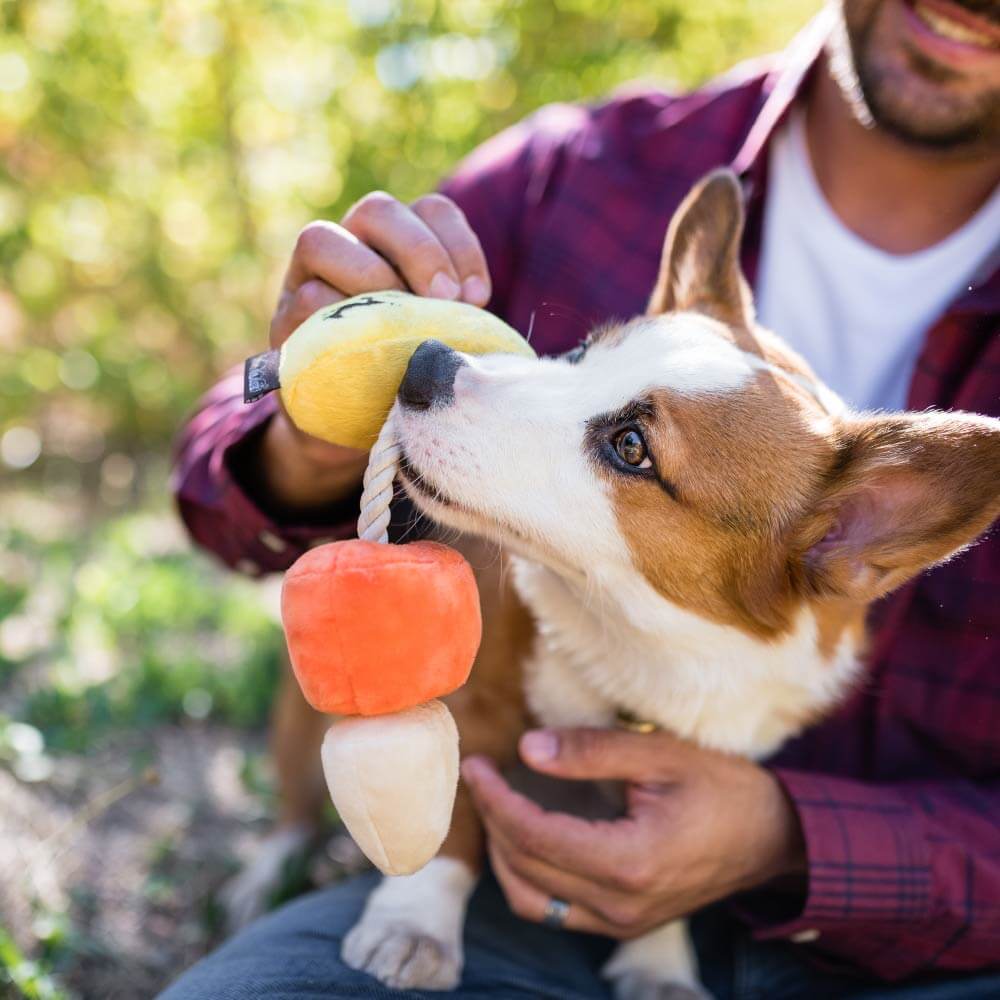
248	567
272	541
806	936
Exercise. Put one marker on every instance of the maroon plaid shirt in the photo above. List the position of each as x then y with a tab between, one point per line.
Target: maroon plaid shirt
899	792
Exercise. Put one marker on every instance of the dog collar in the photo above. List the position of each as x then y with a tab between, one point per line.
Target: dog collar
633	724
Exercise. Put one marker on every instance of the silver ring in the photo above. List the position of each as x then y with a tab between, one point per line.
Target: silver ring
556	911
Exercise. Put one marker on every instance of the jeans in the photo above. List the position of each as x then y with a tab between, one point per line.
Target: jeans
294	954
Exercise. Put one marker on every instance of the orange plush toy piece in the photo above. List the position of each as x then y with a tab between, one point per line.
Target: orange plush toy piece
375	628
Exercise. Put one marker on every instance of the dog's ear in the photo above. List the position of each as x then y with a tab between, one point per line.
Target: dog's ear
700	267
909	490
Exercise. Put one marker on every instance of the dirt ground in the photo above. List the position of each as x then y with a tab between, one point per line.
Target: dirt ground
116	859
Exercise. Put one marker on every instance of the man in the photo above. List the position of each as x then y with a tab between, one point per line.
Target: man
870	153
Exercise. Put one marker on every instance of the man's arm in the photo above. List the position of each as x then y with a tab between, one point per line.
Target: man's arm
893	879
903	877
252	488
220	488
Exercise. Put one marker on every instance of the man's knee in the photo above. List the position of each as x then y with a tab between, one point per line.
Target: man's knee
288	953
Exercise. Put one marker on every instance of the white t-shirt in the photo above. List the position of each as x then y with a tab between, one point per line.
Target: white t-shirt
857	314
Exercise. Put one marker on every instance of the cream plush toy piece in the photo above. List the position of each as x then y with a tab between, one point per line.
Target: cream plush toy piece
378	632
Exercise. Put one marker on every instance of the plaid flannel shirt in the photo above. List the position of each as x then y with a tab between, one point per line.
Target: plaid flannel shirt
899	791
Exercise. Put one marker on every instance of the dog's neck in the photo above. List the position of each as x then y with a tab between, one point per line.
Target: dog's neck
626	648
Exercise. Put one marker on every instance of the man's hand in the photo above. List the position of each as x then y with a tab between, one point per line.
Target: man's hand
427	248
699	826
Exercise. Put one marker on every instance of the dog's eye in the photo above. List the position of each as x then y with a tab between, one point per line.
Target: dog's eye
631	449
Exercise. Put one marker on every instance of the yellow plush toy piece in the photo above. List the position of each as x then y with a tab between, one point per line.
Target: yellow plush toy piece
340	370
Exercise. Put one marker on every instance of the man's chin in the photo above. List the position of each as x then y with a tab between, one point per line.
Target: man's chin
925	116
894	85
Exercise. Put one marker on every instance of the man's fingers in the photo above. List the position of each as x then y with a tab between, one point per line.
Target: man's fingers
530	903
595	849
336	256
621	904
603	754
404	239
448	223
296	307
429	248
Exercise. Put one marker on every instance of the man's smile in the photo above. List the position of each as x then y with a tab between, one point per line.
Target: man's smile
950	32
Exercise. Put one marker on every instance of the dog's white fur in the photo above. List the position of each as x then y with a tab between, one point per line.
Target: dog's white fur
709	683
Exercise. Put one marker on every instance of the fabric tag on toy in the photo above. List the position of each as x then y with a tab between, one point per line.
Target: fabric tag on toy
260	375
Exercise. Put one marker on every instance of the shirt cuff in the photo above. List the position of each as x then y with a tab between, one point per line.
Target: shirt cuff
869	877
285	537
221	514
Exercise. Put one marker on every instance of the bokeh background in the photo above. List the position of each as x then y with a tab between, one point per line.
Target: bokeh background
156	162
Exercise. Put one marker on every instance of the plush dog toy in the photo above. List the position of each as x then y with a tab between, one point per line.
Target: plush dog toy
378	632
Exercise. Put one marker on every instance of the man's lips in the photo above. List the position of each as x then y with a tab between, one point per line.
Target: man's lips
955	24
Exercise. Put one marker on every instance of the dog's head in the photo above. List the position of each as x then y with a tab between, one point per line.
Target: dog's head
695	449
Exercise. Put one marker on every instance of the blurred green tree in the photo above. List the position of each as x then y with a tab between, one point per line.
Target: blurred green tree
157	160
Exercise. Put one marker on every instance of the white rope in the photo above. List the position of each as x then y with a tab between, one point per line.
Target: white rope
383	463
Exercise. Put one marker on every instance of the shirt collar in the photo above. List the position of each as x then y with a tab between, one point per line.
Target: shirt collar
782	86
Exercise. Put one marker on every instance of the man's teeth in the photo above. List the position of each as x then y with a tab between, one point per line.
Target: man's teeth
953	30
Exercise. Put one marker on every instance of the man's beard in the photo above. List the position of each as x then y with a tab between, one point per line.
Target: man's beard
882	94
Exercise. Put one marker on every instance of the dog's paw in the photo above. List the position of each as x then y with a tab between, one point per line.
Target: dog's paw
402	956
244	898
247	895
641	986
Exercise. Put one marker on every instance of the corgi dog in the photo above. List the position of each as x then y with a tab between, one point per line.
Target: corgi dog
693	529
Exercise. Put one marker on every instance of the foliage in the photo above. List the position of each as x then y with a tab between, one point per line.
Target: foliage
29	977
124	628
157	159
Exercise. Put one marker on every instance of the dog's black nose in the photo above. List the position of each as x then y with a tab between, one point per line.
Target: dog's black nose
430	376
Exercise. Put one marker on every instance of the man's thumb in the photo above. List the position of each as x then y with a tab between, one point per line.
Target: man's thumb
600	754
